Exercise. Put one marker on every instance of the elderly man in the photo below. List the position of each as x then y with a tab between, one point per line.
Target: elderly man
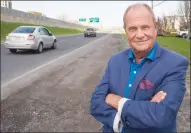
143	87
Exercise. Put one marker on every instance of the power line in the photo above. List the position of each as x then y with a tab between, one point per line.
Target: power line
159	3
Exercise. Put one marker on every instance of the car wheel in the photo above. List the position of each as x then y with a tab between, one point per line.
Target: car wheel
85	35
184	35
54	45
13	50
40	48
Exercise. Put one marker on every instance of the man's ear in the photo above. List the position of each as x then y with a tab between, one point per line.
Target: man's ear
124	27
156	24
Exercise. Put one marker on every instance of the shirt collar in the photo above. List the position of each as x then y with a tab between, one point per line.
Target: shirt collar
150	55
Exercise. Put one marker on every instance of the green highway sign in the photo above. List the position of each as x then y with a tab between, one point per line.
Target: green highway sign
91	20
82	19
95	20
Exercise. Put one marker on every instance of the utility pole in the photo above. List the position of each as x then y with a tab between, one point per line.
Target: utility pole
152	4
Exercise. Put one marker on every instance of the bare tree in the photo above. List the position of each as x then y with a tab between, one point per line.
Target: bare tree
184	11
172	19
168	23
159	23
165	23
183	24
159	26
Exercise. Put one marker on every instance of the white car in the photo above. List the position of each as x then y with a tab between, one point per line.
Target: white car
183	34
30	38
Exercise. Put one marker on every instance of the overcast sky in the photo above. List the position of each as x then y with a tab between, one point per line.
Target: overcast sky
109	12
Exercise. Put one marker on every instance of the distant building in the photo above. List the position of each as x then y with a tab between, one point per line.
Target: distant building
175	22
172	23
6	3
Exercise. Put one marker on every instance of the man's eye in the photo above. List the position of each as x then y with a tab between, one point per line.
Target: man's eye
145	27
132	29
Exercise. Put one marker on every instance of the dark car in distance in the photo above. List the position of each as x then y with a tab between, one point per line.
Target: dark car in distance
90	32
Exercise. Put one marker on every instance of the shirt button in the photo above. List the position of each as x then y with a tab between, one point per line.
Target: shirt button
130	85
134	72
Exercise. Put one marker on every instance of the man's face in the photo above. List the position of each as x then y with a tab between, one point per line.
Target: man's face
140	29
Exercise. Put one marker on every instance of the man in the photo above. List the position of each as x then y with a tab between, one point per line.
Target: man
143	87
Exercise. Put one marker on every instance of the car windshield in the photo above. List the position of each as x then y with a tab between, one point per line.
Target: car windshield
90	29
24	30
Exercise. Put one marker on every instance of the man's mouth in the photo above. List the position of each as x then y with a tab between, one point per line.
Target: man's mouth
142	41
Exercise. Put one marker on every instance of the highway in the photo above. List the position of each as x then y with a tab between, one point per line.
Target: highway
14	65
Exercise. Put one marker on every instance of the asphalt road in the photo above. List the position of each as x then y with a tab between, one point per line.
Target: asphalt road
59	101
14	65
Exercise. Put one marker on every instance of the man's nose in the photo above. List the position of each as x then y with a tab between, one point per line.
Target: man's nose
139	34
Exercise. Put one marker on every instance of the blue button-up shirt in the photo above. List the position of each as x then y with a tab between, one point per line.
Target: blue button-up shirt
134	68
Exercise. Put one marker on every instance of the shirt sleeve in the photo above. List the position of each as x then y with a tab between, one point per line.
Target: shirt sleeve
117	125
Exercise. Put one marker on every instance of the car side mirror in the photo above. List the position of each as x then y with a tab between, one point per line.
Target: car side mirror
50	34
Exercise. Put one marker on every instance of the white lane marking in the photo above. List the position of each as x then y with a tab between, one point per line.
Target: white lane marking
7	83
62	41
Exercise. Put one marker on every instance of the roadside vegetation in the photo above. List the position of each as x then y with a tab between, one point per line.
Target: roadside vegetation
7	27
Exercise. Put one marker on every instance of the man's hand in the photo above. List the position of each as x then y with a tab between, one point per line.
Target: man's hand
158	97
112	100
